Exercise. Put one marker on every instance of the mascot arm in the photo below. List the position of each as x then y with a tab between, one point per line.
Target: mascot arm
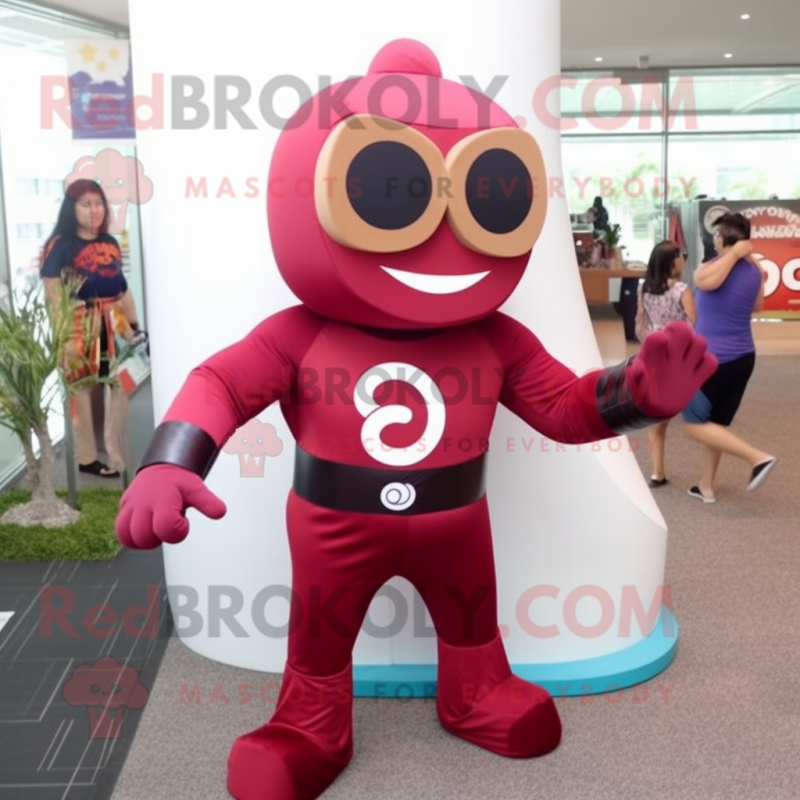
648	388
218	396
230	388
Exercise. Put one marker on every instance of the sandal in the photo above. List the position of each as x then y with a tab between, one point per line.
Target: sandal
99	468
695	491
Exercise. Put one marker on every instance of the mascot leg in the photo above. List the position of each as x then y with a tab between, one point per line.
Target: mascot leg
477	697
305	745
338	563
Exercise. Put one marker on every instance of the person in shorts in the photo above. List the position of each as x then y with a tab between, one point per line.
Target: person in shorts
729	289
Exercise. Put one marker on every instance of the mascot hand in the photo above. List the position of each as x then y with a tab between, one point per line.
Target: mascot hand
153	508
669	369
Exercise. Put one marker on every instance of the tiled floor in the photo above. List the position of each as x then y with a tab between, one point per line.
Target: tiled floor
55	740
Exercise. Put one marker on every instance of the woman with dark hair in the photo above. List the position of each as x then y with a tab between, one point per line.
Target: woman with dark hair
663	298
599	215
80	245
729	289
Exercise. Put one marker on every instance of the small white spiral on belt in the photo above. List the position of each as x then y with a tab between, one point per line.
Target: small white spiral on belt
398	496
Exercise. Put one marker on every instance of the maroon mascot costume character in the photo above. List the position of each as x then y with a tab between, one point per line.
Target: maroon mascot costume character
419	225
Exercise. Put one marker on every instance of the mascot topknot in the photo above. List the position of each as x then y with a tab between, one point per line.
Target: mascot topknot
402	221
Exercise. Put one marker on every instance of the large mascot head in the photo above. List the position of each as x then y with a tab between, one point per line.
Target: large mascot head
404	200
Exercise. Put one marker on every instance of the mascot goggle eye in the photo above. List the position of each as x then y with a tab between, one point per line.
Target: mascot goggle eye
383	187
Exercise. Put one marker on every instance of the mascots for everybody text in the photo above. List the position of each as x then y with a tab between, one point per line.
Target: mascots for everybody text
420	224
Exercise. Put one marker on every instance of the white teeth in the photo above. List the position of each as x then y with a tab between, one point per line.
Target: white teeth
435	284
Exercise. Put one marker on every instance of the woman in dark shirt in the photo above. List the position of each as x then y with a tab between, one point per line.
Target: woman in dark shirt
599	214
81	245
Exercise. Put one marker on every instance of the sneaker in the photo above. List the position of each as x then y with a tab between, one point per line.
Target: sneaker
760	472
659	481
695	492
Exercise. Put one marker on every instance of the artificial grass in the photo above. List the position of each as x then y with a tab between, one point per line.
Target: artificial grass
91	538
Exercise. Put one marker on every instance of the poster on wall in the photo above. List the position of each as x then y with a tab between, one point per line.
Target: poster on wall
775	231
101	87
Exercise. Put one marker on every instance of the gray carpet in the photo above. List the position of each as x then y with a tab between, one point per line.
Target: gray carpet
730	726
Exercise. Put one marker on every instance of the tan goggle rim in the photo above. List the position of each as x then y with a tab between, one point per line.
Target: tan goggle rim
345	226
458	163
334	210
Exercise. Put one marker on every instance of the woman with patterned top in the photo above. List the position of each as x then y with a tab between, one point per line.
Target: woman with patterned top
81	245
663	298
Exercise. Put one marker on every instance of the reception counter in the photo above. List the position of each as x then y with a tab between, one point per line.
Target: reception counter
595	282
595	288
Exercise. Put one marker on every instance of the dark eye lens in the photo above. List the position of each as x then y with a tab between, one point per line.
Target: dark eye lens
499	191
388	185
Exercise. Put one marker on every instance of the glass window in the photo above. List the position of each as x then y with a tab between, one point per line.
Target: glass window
36	162
28	231
739	99
729	133
595	103
737	166
27	186
626	172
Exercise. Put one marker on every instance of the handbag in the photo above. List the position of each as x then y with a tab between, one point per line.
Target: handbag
134	348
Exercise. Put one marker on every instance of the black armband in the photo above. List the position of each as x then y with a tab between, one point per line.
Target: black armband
616	404
183	445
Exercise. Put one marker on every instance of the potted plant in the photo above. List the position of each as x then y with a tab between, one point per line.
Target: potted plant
34	341
611	240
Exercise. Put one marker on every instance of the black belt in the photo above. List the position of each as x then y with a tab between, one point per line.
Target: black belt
388	491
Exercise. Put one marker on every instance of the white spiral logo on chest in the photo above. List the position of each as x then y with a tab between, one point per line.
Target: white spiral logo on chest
379	417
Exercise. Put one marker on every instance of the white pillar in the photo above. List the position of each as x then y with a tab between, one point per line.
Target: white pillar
563	519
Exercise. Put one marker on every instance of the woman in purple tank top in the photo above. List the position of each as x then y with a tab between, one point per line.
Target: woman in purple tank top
663	298
729	289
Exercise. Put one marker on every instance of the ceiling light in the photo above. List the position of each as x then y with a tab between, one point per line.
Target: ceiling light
745	16
599	58
728	55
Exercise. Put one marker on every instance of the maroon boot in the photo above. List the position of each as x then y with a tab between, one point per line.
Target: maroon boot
305	745
480	700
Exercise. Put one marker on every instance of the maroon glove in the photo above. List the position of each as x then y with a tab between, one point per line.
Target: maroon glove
671	366
153	508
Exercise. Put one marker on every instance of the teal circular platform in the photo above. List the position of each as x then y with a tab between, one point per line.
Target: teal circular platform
636	664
